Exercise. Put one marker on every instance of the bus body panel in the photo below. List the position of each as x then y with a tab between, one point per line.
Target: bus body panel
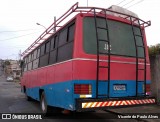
58	80
121	74
55	85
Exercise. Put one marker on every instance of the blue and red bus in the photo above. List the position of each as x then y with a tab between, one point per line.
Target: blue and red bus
96	60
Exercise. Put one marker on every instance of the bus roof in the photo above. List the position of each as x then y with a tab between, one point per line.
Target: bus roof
76	9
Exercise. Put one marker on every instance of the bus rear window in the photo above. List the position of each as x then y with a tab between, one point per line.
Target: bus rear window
120	36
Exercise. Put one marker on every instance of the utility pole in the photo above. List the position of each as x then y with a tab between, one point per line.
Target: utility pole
19	55
54	30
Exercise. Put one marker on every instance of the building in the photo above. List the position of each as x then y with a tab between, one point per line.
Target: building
15	68
12	68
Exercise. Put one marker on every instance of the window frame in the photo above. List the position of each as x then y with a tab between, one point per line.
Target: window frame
47	50
42	48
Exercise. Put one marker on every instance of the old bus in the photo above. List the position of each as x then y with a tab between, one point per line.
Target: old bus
96	60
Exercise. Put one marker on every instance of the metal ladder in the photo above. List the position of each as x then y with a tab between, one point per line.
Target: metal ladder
137	57
99	66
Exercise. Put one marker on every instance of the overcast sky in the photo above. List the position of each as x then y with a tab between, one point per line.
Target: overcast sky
18	19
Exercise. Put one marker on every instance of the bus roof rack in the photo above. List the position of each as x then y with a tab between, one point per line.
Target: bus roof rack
76	9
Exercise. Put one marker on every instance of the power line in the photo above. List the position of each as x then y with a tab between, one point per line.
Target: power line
14	46
18	30
121	2
9	55
135	3
18	36
128	3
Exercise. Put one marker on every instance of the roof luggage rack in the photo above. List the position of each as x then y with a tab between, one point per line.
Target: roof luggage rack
74	10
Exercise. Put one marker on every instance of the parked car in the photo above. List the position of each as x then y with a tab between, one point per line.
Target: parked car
9	78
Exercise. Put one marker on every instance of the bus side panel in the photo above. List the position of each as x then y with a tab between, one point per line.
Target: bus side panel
31	89
36	78
63	71
84	70
23	79
35	90
41	77
60	95
27	81
50	77
59	89
56	81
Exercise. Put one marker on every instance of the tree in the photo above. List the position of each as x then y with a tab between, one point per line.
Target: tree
154	50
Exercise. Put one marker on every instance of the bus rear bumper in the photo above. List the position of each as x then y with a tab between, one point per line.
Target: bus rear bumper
103	104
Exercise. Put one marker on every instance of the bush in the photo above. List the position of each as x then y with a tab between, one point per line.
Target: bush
154	50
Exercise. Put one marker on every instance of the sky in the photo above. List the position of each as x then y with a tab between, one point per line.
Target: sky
18	18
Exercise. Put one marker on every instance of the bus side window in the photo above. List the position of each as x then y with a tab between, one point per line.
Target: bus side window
42	50
62	37
35	60
55	42
71	32
23	66
30	62
34	54
47	48
44	54
52	44
26	63
22	63
65	51
38	52
53	52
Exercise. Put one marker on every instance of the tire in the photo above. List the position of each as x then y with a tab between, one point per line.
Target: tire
46	110
28	98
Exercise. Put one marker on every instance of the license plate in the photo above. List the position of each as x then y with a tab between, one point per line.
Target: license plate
119	87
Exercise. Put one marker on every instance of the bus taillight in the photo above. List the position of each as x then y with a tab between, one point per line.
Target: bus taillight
82	89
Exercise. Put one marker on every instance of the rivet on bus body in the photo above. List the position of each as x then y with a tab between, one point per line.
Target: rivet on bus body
50	88
71	106
67	90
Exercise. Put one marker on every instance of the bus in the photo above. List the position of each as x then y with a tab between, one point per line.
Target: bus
95	59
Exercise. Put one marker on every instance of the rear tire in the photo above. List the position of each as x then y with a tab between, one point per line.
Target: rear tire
28	98
46	110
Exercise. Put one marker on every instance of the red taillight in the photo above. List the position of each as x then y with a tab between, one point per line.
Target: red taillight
82	88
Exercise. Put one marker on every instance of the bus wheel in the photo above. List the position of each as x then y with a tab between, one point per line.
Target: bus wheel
46	110
28	98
